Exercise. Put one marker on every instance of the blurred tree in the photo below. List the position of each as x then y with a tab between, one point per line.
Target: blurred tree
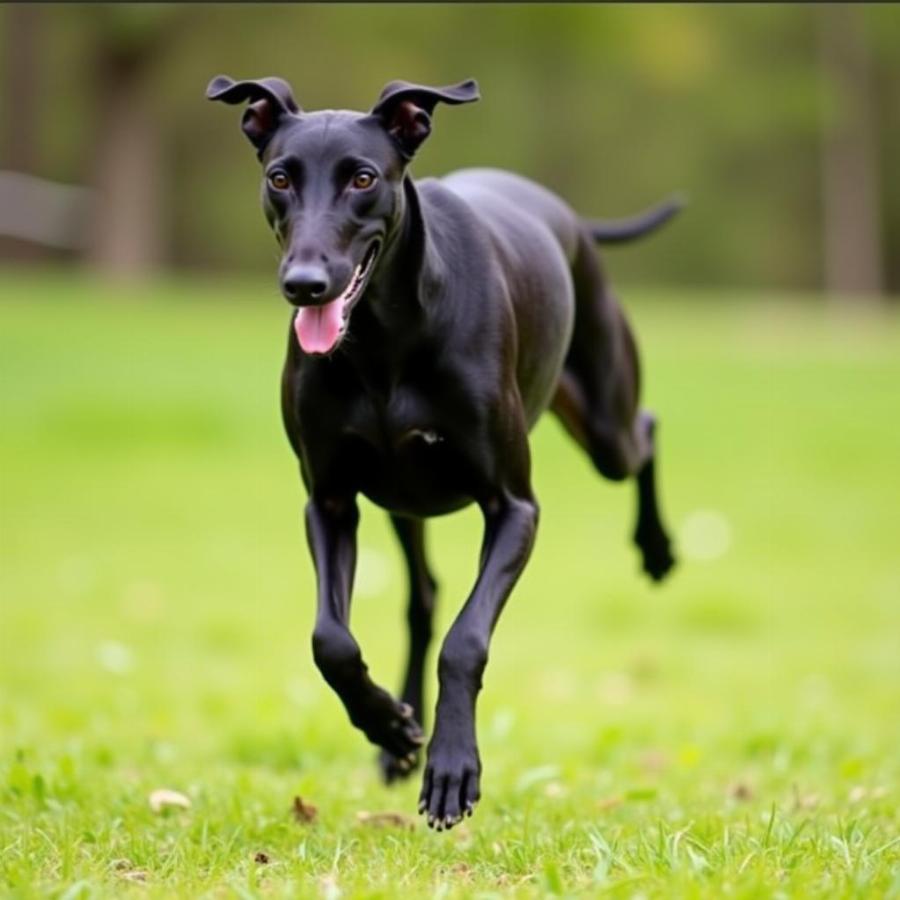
129	173
851	205
20	92
20	83
883	38
611	105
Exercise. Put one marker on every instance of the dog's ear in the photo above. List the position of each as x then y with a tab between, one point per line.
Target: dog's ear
405	109
271	99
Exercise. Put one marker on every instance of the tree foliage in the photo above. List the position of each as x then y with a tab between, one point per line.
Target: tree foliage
614	106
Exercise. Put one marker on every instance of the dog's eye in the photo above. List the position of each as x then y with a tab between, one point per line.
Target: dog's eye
363	179
279	180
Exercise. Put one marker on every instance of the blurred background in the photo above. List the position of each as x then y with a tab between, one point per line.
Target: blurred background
156	594
779	121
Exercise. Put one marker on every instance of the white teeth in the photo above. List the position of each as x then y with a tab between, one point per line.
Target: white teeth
356	282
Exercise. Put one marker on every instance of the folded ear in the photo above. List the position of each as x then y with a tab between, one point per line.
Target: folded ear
405	109
271	99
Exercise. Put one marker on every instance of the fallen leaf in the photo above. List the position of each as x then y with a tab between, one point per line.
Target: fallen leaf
304	812
329	887
644	667
261	858
392	819
134	875
162	798
804	801
654	761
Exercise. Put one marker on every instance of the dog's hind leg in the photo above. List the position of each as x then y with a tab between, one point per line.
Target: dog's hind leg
597	403
420	612
611	459
650	533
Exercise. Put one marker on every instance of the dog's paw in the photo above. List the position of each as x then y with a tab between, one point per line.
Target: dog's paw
450	787
396	768
391	725
656	555
658	564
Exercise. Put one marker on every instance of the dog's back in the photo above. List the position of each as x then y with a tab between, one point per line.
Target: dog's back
533	235
487	189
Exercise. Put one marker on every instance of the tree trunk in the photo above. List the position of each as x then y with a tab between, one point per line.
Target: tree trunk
19	83
850	197
126	234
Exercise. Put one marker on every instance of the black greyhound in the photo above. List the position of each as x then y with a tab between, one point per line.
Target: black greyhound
435	321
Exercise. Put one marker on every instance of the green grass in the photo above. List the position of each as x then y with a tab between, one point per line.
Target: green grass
734	732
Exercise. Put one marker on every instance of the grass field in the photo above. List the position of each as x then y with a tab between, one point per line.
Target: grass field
736	732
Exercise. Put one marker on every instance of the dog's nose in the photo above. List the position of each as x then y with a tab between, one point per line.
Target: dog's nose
304	283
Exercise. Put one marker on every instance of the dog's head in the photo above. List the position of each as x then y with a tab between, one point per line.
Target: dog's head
332	188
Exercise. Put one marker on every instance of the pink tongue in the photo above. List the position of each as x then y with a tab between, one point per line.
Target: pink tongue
319	327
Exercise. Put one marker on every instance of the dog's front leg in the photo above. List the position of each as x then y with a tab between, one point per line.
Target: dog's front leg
450	787
331	530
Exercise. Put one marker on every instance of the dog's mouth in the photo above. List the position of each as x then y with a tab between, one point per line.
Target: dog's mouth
320	329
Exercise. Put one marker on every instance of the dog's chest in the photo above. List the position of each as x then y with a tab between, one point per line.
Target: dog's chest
404	456
394	425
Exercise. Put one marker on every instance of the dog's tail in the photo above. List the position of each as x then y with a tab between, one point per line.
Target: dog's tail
620	231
